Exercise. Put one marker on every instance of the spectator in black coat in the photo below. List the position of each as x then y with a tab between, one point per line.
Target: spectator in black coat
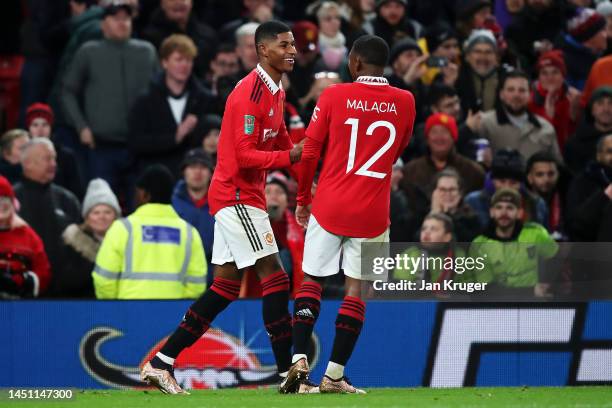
589	199
408	207
166	120
47	207
580	148
480	73
175	17
39	121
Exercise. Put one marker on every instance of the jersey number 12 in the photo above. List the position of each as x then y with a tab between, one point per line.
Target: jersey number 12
365	169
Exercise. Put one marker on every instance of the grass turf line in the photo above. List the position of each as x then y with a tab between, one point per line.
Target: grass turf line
517	397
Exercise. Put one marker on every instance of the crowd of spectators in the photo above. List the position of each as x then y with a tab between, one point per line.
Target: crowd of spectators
512	140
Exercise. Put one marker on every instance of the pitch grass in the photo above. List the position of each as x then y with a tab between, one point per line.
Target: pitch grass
525	397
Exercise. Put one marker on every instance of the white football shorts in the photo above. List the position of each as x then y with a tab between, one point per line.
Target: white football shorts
243	235
323	249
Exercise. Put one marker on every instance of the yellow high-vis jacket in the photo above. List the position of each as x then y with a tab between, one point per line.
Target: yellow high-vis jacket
152	254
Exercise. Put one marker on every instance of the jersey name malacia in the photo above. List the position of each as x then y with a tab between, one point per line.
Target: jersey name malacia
367	106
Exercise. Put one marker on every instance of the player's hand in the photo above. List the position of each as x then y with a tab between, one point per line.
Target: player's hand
295	154
302	215
87	138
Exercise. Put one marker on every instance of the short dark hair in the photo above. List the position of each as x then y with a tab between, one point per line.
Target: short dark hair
269	30
444	219
158	181
515	73
541	157
372	49
439	91
225	48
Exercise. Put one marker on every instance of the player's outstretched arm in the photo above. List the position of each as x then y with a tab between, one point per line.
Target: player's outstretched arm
310	159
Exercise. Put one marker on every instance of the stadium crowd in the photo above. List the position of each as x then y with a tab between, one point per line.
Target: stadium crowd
112	108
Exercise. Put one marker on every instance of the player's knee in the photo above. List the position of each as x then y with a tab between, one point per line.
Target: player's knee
267	265
227	271
318	279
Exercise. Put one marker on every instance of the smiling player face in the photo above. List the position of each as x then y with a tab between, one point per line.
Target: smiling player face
280	53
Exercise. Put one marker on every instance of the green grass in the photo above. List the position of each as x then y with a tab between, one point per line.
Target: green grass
525	397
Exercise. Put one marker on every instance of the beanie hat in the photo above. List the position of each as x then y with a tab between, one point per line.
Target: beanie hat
467	8
280	179
306	34
6	189
380	3
437	34
585	23
402	45
158	181
445	120
605	8
480	36
506	195
99	192
553	58
197	156
508	163
39	110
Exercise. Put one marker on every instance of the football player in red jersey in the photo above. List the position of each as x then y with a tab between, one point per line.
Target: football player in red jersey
253	140
364	126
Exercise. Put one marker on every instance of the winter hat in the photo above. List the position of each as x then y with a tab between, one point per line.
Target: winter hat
585	23
605	8
506	195
6	189
306	36
197	156
467	8
445	120
437	34
402	45
479	36
601	92
99	192
508	163
280	179
553	58
112	7
39	110
380	3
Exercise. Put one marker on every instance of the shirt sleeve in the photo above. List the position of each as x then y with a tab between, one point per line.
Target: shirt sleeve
409	129
316	136
247	119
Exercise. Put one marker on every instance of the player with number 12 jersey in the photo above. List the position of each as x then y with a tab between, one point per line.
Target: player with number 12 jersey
362	127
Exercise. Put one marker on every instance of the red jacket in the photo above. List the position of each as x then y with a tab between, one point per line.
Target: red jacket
21	251
562	122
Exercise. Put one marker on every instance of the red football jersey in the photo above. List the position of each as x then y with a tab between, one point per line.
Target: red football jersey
253	139
364	127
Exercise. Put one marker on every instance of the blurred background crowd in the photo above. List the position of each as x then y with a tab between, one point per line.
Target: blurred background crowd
112	108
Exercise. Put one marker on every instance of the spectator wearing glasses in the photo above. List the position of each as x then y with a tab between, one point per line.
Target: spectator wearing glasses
322	80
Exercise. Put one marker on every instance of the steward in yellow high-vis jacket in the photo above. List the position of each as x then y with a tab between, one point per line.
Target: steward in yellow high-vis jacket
153	253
